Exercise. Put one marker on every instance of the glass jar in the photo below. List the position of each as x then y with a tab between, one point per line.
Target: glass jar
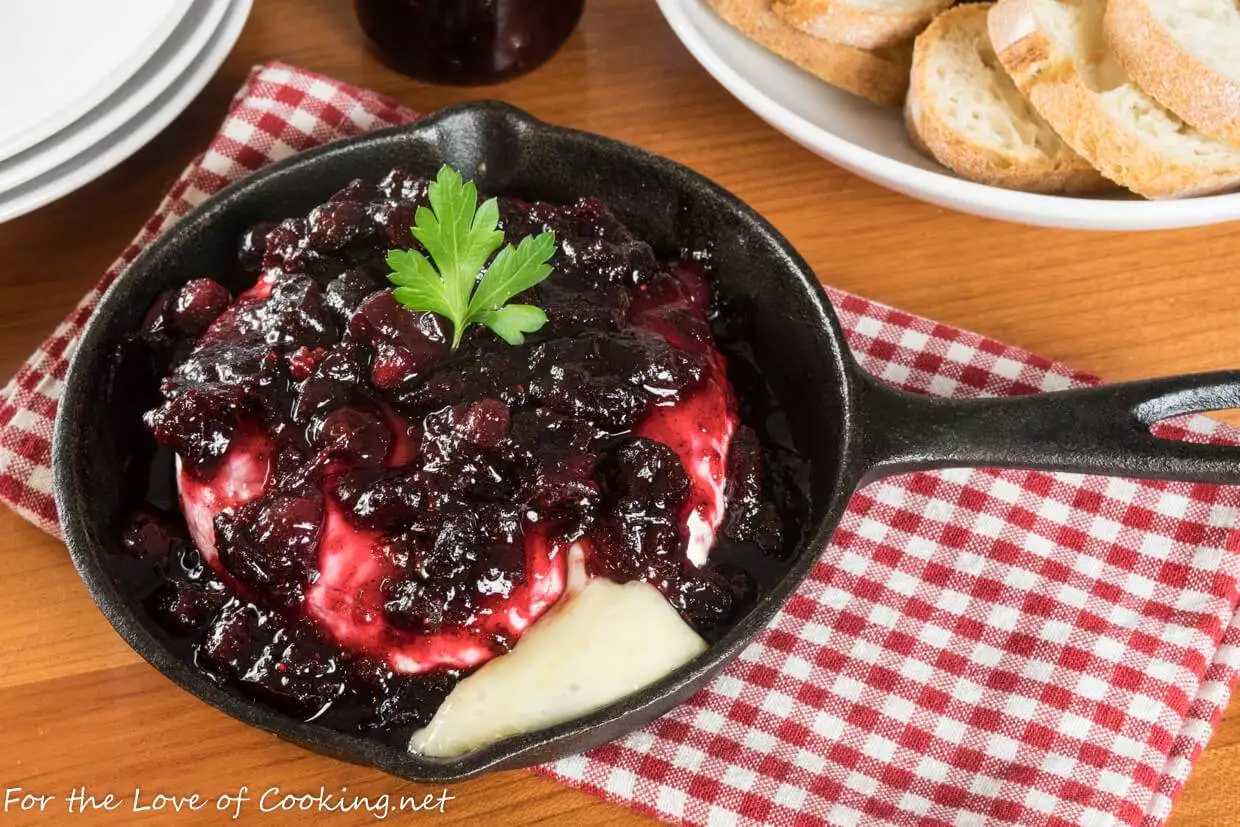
467	41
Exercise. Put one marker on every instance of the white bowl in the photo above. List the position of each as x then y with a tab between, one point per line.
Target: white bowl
60	58
114	147
185	44
870	141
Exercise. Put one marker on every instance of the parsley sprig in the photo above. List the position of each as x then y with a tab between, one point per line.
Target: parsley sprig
461	235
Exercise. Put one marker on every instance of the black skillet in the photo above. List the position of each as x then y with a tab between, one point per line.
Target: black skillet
852	428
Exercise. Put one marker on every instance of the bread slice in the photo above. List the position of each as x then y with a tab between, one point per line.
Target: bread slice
866	24
1056	53
880	75
1186	55
964	110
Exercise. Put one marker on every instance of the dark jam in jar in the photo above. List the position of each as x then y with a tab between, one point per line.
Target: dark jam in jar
467	41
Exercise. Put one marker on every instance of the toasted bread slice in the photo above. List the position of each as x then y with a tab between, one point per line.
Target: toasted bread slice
965	111
880	75
1056	53
866	24
1186	55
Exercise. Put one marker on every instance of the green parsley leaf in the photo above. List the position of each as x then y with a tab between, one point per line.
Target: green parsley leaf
513	271
512	321
461	235
417	283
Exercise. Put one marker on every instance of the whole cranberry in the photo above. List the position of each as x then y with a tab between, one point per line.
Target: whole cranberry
485	423
199	424
283	244
403	186
336	224
406	343
253	246
355	435
158	318
395	219
346	292
198	304
269	544
333	382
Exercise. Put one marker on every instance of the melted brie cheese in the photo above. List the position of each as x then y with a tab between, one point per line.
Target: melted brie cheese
595	647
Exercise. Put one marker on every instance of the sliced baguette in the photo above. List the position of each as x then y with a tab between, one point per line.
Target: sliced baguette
1186	55
1056	53
965	111
880	75
866	24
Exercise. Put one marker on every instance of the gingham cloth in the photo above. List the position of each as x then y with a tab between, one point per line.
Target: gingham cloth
973	647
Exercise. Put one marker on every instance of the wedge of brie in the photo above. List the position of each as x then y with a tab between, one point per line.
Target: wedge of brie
595	647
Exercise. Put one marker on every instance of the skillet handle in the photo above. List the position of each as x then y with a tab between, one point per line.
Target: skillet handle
1101	430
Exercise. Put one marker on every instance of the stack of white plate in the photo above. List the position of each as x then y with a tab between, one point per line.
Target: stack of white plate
85	83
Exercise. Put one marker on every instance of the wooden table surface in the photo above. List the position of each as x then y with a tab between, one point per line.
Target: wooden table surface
77	707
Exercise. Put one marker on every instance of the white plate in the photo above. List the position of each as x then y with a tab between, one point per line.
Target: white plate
164	67
131	137
60	58
870	141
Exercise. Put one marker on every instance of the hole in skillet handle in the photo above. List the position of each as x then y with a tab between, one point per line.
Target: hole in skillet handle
1102	430
787	320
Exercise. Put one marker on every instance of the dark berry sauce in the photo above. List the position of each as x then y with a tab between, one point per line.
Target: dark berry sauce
340	516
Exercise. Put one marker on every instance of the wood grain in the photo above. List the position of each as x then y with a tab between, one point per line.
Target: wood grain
77	707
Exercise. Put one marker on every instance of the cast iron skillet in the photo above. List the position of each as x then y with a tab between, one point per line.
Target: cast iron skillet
852	428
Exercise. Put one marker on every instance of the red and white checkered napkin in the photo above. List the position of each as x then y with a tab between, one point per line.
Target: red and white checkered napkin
974	646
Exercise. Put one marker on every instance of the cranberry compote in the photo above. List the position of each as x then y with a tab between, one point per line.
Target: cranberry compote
342	515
